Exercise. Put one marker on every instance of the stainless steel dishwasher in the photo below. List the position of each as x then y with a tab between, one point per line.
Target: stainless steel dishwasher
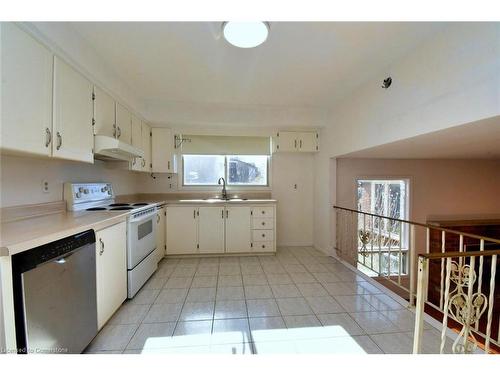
55	296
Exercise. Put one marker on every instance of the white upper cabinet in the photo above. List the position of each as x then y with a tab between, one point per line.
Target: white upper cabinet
162	150
136	163
123	124
136	132
238	229
26	123
287	141
146	147
211	229
104	113
72	114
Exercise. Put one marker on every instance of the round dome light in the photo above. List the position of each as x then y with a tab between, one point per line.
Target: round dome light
245	34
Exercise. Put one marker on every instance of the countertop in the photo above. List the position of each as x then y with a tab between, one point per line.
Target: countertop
21	235
217	202
26	233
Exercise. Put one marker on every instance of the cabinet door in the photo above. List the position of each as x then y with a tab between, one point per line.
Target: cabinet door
238	229
160	233
73	111
307	142
104	113
111	270
26	123
136	163
287	141
211	229
146	146
123	124
162	149
182	230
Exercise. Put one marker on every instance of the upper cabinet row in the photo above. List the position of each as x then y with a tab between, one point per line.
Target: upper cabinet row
50	109
46	105
289	141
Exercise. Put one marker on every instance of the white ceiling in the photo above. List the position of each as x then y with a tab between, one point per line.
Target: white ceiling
477	140
302	65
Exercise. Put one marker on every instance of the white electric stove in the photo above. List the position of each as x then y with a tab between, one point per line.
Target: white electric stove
142	257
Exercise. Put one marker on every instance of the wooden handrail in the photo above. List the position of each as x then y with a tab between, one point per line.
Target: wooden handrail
459	233
460	254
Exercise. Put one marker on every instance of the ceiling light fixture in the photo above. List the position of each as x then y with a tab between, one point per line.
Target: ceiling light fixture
245	34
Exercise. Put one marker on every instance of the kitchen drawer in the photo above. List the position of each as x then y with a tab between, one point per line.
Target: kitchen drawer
261	246
263	223
263	235
264	211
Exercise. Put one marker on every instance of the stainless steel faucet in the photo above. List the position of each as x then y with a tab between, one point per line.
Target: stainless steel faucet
224	191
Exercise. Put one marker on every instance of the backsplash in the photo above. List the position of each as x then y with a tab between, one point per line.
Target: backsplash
22	178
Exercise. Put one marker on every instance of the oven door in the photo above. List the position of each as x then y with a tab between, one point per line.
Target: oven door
141	238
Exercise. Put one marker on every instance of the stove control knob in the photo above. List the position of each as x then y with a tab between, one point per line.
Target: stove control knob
78	195
105	188
85	191
109	192
80	190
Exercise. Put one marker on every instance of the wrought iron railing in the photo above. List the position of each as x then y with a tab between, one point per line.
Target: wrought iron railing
456	283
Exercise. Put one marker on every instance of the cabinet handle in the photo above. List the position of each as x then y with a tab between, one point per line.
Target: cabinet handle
48	137
194	214
295	143
263	246
222	213
114	130
227	214
263	235
263	212
102	246
143	163
263	223
59	140
168	165
300	143
119	132
157	218
133	162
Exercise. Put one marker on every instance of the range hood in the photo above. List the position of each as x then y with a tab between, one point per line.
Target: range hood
109	148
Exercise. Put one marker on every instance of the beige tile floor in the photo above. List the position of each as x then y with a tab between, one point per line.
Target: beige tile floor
299	301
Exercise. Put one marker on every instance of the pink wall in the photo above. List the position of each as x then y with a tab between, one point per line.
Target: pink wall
438	188
453	188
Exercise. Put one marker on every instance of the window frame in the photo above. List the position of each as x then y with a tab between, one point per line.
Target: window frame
407	205
229	187
407	240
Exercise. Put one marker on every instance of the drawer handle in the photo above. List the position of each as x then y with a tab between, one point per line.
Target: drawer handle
48	137
263	235
263	223
263	246
102	246
263	212
59	140
114	130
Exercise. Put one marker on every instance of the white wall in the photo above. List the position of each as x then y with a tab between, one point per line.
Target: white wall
450	80
22	178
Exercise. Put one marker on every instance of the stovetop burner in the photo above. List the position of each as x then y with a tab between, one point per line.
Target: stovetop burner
119	204
140	204
121	208
96	209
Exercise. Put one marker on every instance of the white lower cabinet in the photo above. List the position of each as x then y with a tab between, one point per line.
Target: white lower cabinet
211	229
238	229
160	232
220	229
111	270
182	230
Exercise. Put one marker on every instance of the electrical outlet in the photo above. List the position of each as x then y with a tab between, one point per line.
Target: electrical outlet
45	186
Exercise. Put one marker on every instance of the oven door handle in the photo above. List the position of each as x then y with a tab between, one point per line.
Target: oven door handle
143	218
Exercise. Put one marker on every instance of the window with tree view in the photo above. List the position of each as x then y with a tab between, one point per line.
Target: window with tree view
382	242
242	170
